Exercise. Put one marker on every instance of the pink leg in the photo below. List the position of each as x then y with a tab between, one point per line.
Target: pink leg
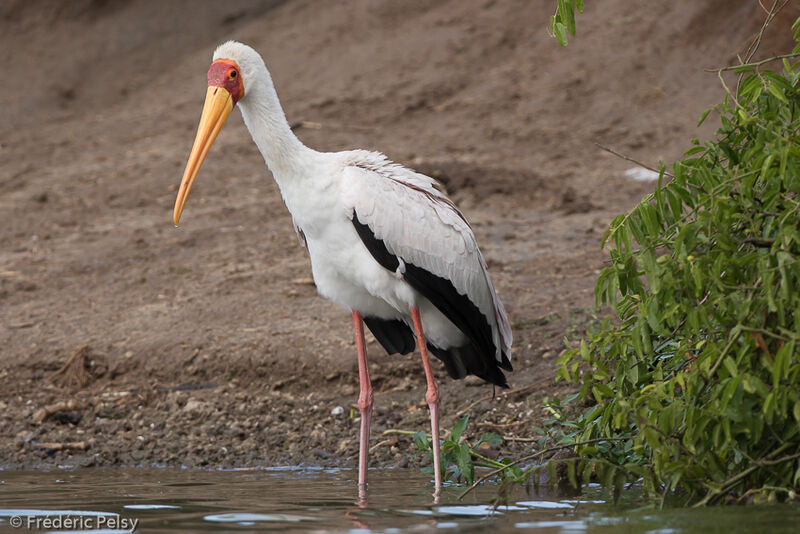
432	397
364	399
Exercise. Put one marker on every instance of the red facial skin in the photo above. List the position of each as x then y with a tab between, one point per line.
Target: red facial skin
226	74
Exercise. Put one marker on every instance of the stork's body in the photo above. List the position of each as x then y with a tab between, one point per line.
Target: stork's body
383	241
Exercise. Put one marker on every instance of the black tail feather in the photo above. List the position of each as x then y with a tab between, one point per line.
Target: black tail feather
468	360
395	336
505	363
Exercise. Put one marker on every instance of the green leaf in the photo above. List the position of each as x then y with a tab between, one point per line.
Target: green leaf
463	460
730	365
703	116
560	32
491	437
566	10
421	441
777	92
458	428
782	361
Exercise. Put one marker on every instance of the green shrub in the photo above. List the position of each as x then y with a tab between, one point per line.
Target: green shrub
700	369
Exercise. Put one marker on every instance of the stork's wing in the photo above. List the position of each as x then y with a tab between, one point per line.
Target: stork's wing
412	228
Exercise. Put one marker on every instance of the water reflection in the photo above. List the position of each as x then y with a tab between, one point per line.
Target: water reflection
321	501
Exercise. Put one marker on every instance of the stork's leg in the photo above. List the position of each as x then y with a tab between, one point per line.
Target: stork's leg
364	399
432	397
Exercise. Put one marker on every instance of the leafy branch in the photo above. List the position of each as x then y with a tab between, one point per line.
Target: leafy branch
534	456
695	384
563	21
459	458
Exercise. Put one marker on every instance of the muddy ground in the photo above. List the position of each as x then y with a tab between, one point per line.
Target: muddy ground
207	345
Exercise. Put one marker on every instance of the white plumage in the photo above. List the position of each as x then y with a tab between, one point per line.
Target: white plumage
384	242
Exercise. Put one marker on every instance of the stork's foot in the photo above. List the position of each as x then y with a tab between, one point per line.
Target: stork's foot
365	407
432	396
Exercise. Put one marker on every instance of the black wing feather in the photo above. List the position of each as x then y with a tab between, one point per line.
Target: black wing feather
459	309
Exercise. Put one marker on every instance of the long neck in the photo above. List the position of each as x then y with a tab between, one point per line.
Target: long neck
283	152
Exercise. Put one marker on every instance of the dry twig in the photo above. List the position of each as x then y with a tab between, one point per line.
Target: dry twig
63	406
626	158
771	14
70	360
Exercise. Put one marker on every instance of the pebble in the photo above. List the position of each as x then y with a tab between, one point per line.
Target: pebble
338	411
194	405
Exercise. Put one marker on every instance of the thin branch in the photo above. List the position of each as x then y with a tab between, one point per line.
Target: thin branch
390	431
774	10
753	491
533	456
379	444
626	158
728	484
753	48
766	333
722	355
755	63
521	440
488	461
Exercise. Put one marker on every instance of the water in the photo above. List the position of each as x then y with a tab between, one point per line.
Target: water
318	501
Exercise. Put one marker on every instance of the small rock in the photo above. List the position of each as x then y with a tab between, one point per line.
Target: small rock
193	405
338	411
64	418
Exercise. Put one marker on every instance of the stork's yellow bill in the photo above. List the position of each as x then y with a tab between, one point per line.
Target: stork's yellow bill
225	88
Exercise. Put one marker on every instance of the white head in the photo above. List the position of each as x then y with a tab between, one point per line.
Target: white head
242	57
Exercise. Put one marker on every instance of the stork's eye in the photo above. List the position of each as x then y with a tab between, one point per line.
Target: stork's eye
233	74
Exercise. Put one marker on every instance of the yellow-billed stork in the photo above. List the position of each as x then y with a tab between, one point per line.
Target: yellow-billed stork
384	242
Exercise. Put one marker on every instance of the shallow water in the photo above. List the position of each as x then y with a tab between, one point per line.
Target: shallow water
314	500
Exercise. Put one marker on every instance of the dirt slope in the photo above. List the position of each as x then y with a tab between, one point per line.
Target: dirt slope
205	345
